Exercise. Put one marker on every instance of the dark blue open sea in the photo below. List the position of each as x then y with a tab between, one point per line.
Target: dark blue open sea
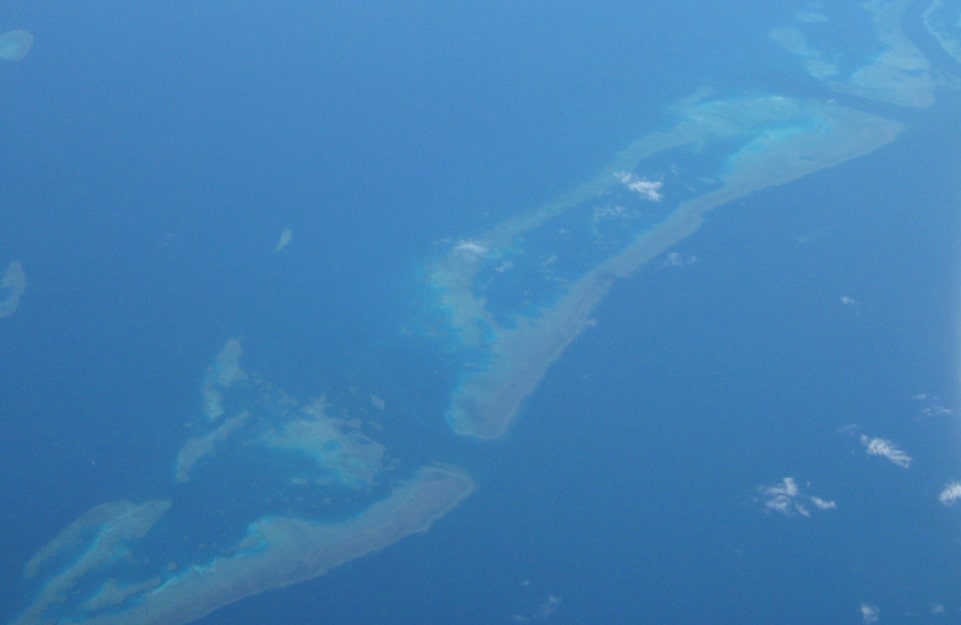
758	425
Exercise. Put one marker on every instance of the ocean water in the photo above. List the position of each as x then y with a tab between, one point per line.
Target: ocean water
756	423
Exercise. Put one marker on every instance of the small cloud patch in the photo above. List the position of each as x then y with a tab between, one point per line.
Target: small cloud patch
887	450
787	498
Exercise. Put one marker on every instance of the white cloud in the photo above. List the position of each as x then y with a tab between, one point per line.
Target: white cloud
604	213
886	449
470	249
673	259
932	407
950	494
936	411
647	189
823	504
786	498
847	300
870	613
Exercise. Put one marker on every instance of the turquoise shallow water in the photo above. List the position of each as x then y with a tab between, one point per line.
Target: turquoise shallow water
153	158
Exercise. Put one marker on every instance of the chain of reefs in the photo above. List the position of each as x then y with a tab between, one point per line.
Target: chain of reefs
899	72
776	140
102	580
104	569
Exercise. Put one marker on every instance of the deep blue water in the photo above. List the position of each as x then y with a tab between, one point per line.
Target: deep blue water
151	158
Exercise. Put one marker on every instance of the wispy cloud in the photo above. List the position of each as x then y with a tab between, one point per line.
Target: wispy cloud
470	249
787	498
950	494
931	406
673	259
886	449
